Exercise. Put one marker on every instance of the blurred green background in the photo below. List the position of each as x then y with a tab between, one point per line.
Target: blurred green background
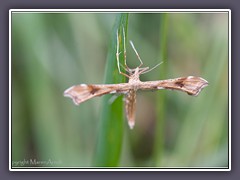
53	51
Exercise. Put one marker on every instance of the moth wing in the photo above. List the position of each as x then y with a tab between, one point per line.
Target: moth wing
191	84
83	92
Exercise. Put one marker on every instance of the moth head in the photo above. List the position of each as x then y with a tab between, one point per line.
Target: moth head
141	70
137	70
135	73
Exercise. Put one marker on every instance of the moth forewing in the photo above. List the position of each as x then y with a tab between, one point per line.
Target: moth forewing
191	85
78	93
84	92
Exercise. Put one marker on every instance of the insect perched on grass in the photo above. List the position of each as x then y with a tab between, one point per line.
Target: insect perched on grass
79	93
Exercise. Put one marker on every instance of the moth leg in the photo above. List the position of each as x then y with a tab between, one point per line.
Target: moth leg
124	68
141	63
125	52
117	57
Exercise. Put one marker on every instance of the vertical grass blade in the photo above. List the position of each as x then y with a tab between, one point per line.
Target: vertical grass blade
159	135
110	137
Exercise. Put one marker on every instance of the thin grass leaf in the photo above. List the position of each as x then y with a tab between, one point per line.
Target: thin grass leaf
161	103
110	137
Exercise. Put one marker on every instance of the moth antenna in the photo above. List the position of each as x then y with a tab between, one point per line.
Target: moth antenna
152	68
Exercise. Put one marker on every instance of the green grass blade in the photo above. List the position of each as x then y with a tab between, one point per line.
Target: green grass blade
159	135
110	137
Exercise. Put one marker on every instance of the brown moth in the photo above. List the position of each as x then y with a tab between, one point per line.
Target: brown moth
79	93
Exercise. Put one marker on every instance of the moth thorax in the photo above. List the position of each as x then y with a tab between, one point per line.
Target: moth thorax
133	79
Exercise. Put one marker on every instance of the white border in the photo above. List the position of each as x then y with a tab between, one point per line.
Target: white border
10	92
120	10
110	11
229	89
